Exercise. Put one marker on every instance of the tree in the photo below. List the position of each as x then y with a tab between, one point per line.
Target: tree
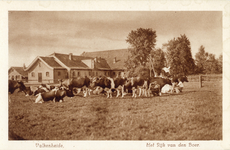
141	43
200	59
211	65
220	63
179	56
159	60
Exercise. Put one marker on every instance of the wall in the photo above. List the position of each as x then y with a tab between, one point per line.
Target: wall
40	69
89	73
60	74
14	74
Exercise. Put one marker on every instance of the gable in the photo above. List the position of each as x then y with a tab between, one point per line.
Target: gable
18	70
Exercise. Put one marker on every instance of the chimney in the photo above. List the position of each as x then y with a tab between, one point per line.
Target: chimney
114	60
70	56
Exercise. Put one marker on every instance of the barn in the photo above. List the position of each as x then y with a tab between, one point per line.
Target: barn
56	66
17	73
115	59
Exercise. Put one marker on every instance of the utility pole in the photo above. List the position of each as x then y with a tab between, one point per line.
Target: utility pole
151	66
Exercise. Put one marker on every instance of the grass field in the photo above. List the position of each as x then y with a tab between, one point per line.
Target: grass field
194	114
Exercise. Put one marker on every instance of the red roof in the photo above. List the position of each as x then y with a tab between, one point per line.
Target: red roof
120	56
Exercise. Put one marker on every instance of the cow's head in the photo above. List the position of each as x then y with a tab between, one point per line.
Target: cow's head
21	87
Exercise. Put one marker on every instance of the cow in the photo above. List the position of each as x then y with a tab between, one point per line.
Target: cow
47	86
167	89
55	95
154	89
160	82
182	78
79	82
106	83
13	85
40	90
136	83
28	91
119	84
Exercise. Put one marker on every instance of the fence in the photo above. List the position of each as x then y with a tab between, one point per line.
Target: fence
202	78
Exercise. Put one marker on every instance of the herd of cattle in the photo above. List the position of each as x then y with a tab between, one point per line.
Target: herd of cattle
106	85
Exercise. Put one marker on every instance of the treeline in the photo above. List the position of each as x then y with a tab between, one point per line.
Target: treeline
176	55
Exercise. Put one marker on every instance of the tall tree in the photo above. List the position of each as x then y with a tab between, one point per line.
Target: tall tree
200	59
179	56
211	65
158	60
141	43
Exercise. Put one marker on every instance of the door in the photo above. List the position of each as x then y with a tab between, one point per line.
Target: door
39	77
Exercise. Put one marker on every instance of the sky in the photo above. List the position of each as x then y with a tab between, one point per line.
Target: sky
41	33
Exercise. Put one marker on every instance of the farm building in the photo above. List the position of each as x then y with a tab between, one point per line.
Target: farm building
52	68
115	59
17	73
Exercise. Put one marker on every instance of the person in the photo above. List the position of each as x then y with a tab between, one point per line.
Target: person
179	86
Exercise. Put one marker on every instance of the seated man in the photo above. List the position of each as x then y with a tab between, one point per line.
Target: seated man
179	86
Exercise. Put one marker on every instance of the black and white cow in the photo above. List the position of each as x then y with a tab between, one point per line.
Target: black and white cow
104	82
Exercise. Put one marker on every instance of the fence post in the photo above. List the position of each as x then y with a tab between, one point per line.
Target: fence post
200	81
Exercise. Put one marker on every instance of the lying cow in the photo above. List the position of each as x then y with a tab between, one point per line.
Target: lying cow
55	95
167	89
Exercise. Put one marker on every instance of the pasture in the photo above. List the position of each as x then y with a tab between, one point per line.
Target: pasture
194	114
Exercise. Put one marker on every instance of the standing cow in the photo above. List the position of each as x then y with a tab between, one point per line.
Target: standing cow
119	84
136	83
106	83
79	82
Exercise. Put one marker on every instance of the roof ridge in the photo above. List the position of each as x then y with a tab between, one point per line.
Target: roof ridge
106	50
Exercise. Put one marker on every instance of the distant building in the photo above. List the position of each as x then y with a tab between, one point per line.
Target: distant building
17	73
52	68
115	59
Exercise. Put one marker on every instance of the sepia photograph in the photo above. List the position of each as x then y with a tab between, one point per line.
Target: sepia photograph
150	76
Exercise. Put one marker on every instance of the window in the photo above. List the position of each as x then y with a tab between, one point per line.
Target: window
32	74
114	73
119	73
12	77
78	73
47	74
96	74
73	73
59	73
105	73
